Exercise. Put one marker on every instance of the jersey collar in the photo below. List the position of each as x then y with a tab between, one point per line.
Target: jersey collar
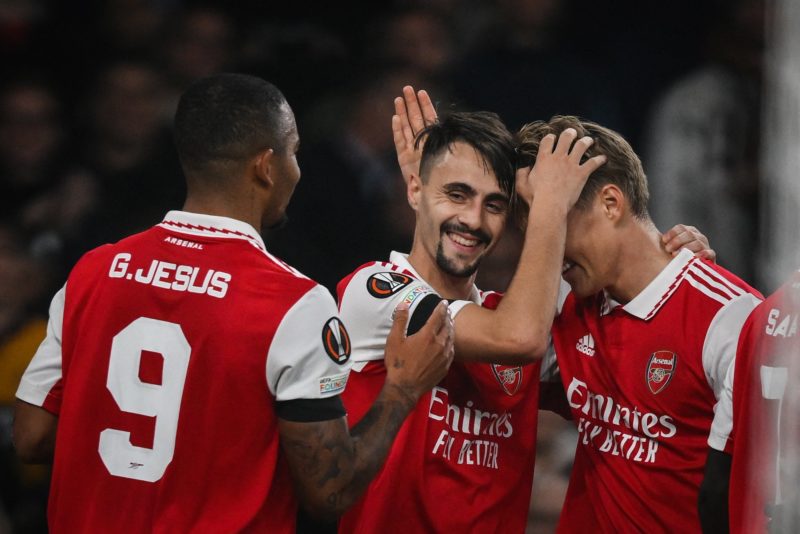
401	260
199	224
647	303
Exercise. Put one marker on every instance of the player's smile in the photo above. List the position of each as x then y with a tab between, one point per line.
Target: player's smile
463	240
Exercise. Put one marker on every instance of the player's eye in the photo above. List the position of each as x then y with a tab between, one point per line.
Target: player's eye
456	196
496	207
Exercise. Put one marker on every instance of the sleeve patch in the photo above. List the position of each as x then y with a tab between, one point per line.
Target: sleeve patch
333	384
384	285
416	293
336	341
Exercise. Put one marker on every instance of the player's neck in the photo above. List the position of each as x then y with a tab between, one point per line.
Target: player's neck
641	258
447	286
222	207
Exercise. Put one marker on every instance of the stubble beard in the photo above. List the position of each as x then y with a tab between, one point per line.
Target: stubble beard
448	266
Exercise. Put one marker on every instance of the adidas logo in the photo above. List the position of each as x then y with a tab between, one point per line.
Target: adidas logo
585	345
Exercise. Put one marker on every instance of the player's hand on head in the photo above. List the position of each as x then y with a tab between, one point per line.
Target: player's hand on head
418	362
413	112
524	185
688	237
558	171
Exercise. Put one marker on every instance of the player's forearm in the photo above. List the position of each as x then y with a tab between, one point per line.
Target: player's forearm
532	297
713	498
518	330
373	437
34	433
331	468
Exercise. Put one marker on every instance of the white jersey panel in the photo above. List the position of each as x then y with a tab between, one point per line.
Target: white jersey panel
719	348
309	357
549	371
367	307
44	371
719	353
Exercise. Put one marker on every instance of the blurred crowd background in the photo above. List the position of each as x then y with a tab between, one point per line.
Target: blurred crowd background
88	90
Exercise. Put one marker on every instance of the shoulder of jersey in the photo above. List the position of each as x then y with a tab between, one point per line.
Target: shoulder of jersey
380	279
715	282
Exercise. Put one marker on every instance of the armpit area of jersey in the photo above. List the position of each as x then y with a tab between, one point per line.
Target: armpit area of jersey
310	410
422	313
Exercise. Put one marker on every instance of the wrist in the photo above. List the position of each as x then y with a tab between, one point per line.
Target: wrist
405	396
548	207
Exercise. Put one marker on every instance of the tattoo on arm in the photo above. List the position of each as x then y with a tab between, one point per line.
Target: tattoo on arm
331	467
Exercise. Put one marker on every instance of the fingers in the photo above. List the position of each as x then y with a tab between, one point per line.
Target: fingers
449	349
592	164
546	146
428	111
402	113
415	118
397	133
438	320
565	141
680	236
688	237
399	323
579	148
708	254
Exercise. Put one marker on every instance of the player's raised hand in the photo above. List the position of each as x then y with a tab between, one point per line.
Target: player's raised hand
413	111
682	236
558	171
416	363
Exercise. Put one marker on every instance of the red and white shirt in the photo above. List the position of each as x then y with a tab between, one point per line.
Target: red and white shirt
165	355
763	391
463	460
642	381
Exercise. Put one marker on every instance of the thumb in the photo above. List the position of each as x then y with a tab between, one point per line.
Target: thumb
399	323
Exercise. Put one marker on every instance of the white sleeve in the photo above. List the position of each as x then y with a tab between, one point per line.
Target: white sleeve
722	425
309	357
719	351
563	291
722	337
369	313
550	371
44	370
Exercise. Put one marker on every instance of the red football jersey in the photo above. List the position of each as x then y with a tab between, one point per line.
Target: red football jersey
642	380
463	460
165	355
765	393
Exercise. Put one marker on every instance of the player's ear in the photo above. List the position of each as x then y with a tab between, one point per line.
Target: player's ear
262	166
612	201
413	190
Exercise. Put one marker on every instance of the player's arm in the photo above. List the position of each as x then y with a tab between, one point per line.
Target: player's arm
518	330
712	502
39	395
719	363
330	466
34	433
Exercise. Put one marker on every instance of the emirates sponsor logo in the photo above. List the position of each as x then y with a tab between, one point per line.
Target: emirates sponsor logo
470	436
616	429
585	345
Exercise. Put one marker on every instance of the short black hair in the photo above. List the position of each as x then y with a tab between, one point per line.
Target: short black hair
483	131
228	118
